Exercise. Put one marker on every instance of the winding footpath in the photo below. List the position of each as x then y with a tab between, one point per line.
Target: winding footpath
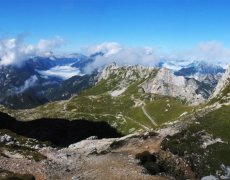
148	116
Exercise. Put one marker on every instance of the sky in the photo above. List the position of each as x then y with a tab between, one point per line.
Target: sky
165	25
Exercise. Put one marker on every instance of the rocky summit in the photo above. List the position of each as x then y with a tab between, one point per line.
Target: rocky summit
167	84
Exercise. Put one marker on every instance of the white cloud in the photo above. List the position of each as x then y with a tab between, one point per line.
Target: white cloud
212	52
49	44
63	72
27	84
121	55
108	48
15	51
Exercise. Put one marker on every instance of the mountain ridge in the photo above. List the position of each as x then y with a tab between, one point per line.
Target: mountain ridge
166	129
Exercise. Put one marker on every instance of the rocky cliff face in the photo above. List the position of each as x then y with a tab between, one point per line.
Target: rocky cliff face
160	82
126	72
120	78
222	84
167	84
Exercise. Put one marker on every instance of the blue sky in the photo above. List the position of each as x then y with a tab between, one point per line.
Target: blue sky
166	24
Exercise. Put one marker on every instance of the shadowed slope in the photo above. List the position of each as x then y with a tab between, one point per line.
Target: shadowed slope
60	132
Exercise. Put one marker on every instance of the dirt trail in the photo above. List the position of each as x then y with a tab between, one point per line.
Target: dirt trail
139	124
148	116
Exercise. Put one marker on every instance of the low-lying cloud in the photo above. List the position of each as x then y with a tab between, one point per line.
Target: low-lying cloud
107	48
211	52
14	51
63	72
113	52
27	84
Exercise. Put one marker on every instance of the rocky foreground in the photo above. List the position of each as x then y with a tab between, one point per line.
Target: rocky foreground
129	157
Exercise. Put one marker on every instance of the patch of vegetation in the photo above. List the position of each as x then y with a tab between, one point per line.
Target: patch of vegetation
21	145
167	109
188	143
155	164
102	87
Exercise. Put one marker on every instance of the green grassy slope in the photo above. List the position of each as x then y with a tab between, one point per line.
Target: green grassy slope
122	112
189	142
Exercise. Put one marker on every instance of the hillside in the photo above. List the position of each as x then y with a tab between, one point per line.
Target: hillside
119	99
129	98
205	142
42	79
175	138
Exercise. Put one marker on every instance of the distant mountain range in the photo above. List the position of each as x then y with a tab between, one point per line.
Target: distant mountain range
50	78
33	83
182	114
130	98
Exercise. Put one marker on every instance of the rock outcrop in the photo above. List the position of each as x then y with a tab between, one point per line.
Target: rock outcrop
126	72
120	78
158	81
167	84
99	159
222	84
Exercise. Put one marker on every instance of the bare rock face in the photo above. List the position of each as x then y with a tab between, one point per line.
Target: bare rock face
161	82
167	84
124	76
222	84
106	72
128	72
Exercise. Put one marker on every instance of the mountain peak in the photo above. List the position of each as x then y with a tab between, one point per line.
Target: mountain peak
113	65
223	83
130	72
167	84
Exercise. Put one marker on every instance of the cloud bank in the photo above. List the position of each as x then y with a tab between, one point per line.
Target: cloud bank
27	84
14	51
114	52
211	52
107	48
63	72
